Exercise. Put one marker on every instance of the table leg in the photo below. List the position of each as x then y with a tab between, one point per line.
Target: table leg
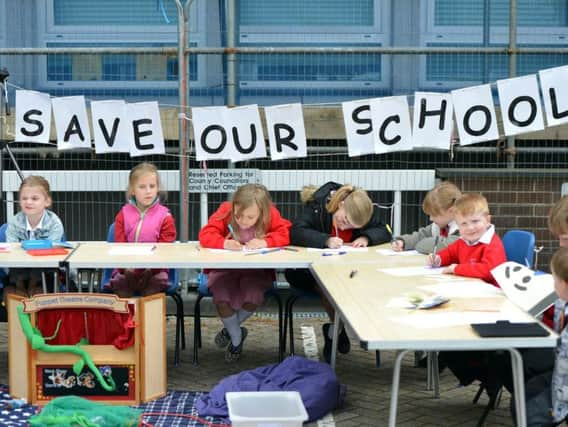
55	281
395	384
43	282
435	374
336	324
519	386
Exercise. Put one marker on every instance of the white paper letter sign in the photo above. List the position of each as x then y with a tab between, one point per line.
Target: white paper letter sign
245	130
71	123
391	124
33	116
475	114
555	93
358	127
286	132
147	127
520	105
209	130
432	125
112	130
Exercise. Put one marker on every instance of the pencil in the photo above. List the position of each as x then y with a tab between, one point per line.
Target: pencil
230	227
264	251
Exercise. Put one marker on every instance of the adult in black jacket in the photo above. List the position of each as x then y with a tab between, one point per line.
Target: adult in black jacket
334	215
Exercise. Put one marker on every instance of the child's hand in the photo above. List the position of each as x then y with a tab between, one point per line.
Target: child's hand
449	269
397	245
334	242
434	260
360	242
256	244
232	245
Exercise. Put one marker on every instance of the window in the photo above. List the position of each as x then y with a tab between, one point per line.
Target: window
319	23
117	23
124	16
459	23
120	71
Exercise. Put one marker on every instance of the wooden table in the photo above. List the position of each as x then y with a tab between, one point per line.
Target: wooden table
191	255
362	302
17	257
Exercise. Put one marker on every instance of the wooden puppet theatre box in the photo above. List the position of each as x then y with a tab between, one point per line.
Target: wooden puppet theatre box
96	346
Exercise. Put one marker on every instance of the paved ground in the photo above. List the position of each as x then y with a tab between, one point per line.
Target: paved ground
369	389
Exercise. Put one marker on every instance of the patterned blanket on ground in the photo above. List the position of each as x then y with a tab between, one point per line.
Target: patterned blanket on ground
175	402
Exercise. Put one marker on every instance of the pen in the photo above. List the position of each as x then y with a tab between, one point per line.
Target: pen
436	245
436	240
389	229
263	251
290	249
333	253
153	248
352	274
230	227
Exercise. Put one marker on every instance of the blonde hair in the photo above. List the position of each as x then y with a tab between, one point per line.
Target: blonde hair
441	198
472	203
37	181
559	264
357	204
137	172
558	217
250	195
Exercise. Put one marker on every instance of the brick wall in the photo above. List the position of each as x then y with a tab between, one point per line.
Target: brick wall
517	202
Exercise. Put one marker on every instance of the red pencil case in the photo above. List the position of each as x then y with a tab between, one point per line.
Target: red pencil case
47	251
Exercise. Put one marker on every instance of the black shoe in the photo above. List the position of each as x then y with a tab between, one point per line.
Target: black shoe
233	353
343	344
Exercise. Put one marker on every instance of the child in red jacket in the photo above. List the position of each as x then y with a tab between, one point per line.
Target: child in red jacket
475	254
250	221
479	248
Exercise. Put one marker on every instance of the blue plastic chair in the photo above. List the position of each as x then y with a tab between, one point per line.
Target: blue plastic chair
203	292
519	247
171	291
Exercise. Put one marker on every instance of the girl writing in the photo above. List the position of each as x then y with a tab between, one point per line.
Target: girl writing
249	221
333	215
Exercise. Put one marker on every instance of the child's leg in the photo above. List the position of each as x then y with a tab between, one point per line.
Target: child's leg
226	297
253	285
538	400
153	283
230	322
120	285
35	282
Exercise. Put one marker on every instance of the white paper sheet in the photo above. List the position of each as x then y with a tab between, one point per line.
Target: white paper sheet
132	250
463	289
390	252
530	291
411	271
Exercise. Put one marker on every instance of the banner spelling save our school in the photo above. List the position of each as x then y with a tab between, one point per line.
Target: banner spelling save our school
372	126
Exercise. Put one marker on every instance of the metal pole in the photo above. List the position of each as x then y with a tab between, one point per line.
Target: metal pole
512	70
231	60
486	37
231	57
183	95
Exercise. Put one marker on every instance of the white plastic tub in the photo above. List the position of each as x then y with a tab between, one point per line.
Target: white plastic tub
266	409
